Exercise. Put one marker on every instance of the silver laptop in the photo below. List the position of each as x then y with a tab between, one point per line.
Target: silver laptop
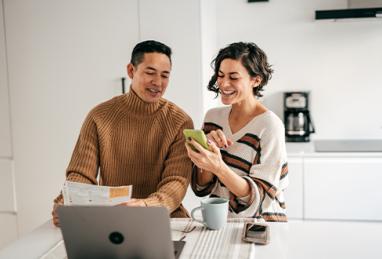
117	232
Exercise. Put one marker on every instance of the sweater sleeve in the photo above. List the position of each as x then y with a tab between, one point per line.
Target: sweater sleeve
201	191
175	175
266	172
83	166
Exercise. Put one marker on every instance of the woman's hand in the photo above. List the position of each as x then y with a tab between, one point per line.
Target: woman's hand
218	137
208	160
212	162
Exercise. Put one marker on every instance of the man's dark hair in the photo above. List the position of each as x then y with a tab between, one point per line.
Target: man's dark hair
251	57
148	46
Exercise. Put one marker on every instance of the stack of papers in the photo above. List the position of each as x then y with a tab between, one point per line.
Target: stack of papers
88	194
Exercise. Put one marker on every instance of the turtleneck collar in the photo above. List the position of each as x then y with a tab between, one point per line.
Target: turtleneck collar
137	105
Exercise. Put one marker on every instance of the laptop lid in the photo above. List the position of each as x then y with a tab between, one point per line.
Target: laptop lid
116	232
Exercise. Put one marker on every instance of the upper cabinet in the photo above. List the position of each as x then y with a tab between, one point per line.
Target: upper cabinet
5	133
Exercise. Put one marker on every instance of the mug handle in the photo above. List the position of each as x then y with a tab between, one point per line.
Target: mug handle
192	214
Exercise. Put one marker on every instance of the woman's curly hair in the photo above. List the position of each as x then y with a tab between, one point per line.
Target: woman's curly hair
251	57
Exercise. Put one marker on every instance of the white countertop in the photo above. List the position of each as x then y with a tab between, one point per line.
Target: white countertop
322	240
34	244
296	239
306	149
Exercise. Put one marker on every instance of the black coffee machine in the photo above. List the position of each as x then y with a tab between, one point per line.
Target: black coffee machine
297	120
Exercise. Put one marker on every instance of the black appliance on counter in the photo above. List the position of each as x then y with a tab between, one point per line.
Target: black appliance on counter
297	120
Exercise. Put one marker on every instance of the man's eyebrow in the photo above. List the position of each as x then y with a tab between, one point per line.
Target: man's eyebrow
152	68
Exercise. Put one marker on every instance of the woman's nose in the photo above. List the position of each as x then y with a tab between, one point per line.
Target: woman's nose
223	82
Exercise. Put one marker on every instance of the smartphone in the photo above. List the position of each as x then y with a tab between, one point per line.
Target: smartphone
257	233
197	135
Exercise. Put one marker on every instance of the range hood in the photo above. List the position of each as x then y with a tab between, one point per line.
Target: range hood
356	9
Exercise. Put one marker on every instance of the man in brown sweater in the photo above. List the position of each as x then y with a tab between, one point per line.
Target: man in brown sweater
137	138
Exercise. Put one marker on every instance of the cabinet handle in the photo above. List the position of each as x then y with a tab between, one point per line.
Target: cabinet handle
123	84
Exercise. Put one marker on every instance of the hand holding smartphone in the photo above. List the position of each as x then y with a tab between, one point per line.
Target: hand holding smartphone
198	136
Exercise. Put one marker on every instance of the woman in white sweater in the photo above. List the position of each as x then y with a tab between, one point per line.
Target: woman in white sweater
246	162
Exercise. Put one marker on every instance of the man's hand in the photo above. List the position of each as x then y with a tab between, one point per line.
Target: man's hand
56	220
134	203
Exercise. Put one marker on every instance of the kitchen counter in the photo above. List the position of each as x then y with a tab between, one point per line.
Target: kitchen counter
296	239
307	150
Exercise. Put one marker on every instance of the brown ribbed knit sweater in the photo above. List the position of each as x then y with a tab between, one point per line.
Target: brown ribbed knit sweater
138	143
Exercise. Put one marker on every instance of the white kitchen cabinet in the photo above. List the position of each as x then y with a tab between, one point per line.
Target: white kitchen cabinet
8	228
7	197
294	192
5	133
343	188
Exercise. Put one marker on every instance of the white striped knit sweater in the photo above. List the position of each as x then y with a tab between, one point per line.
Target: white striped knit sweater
258	154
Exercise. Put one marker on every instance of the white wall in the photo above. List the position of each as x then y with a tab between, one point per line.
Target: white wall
64	58
339	62
364	3
5	132
209	50
157	20
8	217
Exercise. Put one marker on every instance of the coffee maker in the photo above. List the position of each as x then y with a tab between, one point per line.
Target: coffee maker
297	120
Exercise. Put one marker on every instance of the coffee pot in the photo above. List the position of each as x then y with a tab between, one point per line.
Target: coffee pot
298	123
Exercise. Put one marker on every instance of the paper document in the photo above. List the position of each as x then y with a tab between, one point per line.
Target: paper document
88	194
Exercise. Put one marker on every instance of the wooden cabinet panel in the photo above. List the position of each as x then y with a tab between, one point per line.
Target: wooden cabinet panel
343	188
294	192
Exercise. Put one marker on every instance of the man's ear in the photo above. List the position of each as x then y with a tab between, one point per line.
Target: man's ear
130	70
